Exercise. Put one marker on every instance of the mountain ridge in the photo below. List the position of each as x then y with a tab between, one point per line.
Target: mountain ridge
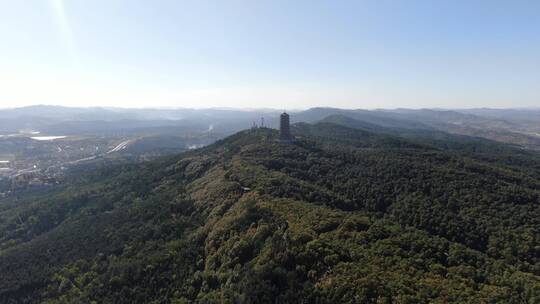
339	215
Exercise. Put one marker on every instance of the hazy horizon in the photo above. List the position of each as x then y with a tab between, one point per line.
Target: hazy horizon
262	109
145	156
279	54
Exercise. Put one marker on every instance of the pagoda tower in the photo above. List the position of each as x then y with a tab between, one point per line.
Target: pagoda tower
284	127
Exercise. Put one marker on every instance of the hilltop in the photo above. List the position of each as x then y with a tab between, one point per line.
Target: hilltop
347	213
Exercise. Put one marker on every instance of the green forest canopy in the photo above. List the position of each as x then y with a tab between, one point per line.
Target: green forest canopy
341	215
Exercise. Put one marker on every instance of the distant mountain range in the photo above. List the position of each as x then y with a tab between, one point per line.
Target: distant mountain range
515	126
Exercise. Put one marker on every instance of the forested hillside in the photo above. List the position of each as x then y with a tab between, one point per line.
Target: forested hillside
345	214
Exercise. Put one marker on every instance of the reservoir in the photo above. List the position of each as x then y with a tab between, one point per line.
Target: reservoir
42	138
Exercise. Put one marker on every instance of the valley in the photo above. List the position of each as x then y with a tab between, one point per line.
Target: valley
342	214
269	152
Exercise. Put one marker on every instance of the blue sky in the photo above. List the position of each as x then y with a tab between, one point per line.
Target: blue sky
279	54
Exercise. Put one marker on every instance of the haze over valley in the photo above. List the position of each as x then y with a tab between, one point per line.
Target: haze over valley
179	151
39	143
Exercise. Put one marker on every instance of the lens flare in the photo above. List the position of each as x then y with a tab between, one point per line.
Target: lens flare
64	27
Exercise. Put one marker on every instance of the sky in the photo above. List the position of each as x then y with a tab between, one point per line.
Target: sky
270	54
